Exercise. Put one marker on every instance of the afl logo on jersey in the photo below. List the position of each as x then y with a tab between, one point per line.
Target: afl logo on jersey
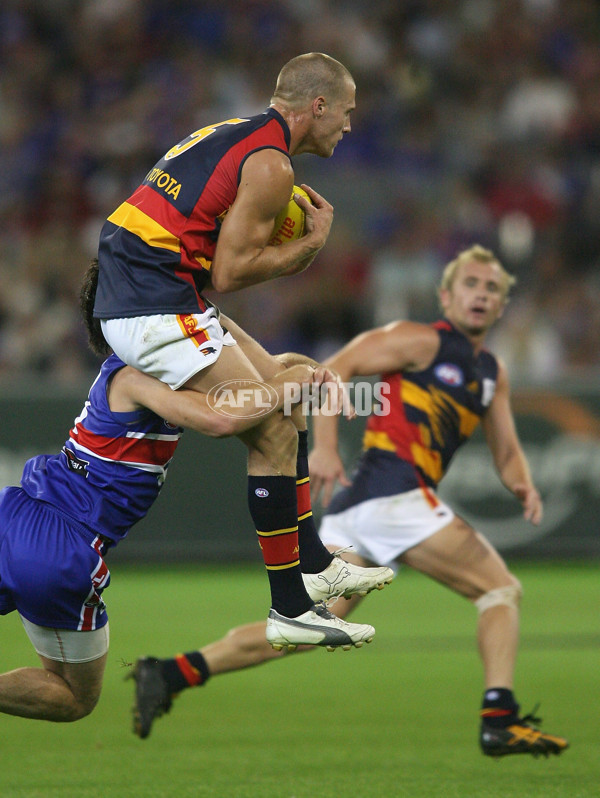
261	493
449	374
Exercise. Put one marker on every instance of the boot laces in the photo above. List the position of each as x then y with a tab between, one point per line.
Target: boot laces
531	717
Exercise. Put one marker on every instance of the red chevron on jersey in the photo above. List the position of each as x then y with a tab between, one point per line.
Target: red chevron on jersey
158	209
394	431
148	451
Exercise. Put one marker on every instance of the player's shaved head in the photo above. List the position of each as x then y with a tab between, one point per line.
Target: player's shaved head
308	76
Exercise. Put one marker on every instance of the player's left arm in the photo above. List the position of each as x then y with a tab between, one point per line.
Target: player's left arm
396	346
338	398
509	458
131	389
243	256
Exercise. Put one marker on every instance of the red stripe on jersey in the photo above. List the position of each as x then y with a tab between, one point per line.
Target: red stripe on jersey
128	450
189	278
399	430
159	209
220	191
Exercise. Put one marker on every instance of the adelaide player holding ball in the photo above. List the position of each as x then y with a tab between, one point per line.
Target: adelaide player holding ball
204	217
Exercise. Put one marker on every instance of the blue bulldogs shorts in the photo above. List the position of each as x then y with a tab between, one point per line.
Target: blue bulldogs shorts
51	569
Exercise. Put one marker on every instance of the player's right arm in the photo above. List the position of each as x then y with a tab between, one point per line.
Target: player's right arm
399	346
509	458
130	389
243	256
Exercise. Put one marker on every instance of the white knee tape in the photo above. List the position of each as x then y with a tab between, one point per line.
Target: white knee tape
510	596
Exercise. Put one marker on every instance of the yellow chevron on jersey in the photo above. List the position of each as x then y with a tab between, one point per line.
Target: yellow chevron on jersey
379	440
428	460
141	225
432	411
438	404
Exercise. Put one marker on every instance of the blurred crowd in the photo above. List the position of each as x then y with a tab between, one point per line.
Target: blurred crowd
477	121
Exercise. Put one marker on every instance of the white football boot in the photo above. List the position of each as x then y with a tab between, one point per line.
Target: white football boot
342	578
316	627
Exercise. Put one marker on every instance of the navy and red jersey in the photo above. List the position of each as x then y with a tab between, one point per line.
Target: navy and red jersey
111	468
156	249
432	413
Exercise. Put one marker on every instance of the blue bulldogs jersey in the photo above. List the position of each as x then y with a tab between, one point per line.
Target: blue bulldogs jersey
110	469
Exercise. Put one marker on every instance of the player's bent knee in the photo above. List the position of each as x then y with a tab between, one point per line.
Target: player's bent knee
80	708
68	696
74	661
87	704
508	596
276	440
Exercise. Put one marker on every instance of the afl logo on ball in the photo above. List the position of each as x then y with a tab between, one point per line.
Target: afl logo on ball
262	492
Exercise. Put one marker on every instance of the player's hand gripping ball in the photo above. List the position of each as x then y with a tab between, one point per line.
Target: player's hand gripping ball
289	224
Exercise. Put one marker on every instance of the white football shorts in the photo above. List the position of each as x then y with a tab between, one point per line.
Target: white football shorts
67	645
382	529
170	347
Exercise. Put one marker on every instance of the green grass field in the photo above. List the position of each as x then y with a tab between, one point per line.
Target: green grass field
396	718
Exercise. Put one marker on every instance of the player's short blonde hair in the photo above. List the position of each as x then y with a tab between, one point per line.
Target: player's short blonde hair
307	76
482	255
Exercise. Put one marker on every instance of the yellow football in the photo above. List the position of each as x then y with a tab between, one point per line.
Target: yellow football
289	224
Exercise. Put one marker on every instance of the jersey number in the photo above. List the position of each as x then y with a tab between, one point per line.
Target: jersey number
197	136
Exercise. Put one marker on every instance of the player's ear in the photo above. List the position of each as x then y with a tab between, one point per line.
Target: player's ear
444	297
318	107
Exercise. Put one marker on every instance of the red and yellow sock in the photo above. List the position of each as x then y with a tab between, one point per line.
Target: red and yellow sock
185	670
314	556
273	505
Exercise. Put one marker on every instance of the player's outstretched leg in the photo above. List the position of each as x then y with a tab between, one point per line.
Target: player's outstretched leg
505	733
317	627
344	579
